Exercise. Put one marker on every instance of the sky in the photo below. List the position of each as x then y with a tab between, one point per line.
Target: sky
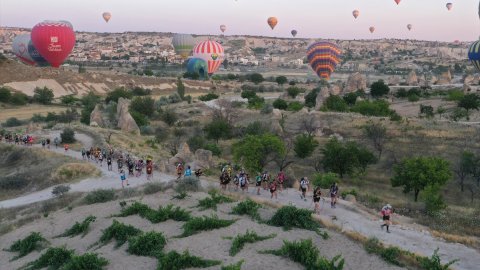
311	18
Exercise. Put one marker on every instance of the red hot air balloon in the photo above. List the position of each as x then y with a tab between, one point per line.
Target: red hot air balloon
211	52
53	40
397	1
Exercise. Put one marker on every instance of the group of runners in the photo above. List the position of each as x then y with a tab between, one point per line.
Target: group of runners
18	139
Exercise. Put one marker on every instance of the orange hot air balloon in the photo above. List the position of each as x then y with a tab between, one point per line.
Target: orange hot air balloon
449	6
356	13
372	29
409	26
107	16
272	21
397	1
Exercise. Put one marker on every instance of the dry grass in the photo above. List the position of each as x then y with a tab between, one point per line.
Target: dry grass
466	240
27	111
74	171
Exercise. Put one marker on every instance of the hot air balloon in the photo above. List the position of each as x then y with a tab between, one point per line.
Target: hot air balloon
449	6
474	54
409	26
356	13
198	66
294	33
68	24
397	1
106	16
53	40
323	58
223	27
20	49
211	52
372	29
183	44
272	21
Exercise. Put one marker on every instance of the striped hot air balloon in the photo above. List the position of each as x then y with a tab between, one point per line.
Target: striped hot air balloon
323	58
211	52
474	54
183	44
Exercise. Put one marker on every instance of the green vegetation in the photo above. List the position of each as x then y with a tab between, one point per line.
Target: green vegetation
212	201
12	122
434	262
218	129
156	216
79	228
19	98
295	106
120	92
5	95
249	237
189	183
255	152
290	217
236	266
208	97
281	80
169	117
311	98
87	261
53	258
180	195
147	244
34	241
68	135
247	207
377	133
43	95
335	104
280	104
378	107
152	188
100	196
304	145
118	231
176	261
325	180
293	91
379	89
198	224
180	88
143	105
390	254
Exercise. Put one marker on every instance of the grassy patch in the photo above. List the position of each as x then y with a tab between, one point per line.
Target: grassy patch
434	262
247	207
147	244
90	261
390	254
175	261
120	232
100	196
307	254
152	188
79	228
291	217
212	201
34	241
180	195
189	183
156	216
74	171
249	237
235	266
198	224
53	258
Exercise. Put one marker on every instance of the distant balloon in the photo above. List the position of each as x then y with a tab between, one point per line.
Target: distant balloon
223	27
198	66
449	6
183	44
211	52
272	21
294	33
323	58
372	29
474	54
107	16
409	26
356	13
397	1
20	49
53	40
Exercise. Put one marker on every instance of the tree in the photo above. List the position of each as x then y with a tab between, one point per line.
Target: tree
304	145
379	88
169	117
68	100
89	102
180	88
469	102
377	133
415	174
120	92
311	98
281	80
5	95
375	108
350	98
280	104
68	135
43	95
218	129
256	78
19	98
335	104
293	91
255	152
465	166
440	111
143	105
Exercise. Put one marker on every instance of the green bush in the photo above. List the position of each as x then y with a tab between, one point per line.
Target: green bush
79	228
68	135
290	217
208	97
335	104
214	148
12	122
390	254
256	102
189	183
434	202
325	180
5	95
349	192
372	108
147	244
34	241
143	105
311	98
43	95
247	207
156	216
118	93
266	109
413	98
212	201
152	188
248	238
53	258
169	117
139	118
295	106
118	231
87	261
455	95
198	224
19	98
236	266
293	91
100	196
180	195
434	262
280	104
175	261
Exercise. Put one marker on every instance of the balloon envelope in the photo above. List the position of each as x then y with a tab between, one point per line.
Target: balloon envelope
183	44
272	21
323	58
53	40
211	52
372	29
294	33
397	1
449	6
198	66
356	13
409	26
223	28
474	54
106	16
20	49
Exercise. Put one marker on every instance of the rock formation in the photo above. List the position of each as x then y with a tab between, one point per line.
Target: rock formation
393	80
445	78
412	78
203	159
356	81
125	120
96	119
322	95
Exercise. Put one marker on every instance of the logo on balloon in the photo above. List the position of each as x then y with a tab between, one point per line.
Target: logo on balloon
214	56
54	39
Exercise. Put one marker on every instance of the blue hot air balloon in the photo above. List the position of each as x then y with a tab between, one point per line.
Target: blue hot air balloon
474	54
198	66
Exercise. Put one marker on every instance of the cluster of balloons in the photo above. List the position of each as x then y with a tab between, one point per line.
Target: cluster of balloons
49	43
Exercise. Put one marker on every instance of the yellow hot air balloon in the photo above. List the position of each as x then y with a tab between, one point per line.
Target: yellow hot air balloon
356	13
272	21
107	16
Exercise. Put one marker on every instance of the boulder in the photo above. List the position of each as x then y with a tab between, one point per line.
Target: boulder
96	119
466	88
335	90
412	78
469	80
356	81
277	114
393	80
184	155
203	159
445	78
124	118
322	95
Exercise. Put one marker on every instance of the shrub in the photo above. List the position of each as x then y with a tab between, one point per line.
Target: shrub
152	188
33	241
434	262
208	97
161	134
247	207
433	200
218	129
390	254
189	183
325	180
290	217
118	231
214	148
19	98
53	258
293	91
401	93
5	95
281	80
379	88
304	145
43	95
236	266
68	100
37	118
280	104
139	118
212	201
335	104
311	98
79	228
90	261
249	237
198	224
372	108
295	106
175	261
256	128
60	190
455	95
256	102
100	196
12	122
143	105
413	98
349	192
180	195
169	117
68	135
147	244
266	109
156	216
118	93
248	94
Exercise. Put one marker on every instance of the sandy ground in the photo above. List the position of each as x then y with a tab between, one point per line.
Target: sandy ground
348	216
209	245
26	112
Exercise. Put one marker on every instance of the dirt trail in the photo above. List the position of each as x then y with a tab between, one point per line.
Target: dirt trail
347	215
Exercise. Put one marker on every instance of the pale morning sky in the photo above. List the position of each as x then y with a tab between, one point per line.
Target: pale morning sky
312	18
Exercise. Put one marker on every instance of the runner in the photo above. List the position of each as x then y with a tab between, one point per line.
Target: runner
120	163
333	195
88	154
66	147
243	181
303	187
224	180
179	170
48	143
123	178
386	216
130	167
273	189
56	142
149	169
188	172
43	143
258	183
317	195
265	180
100	158
109	163
281	179
198	173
